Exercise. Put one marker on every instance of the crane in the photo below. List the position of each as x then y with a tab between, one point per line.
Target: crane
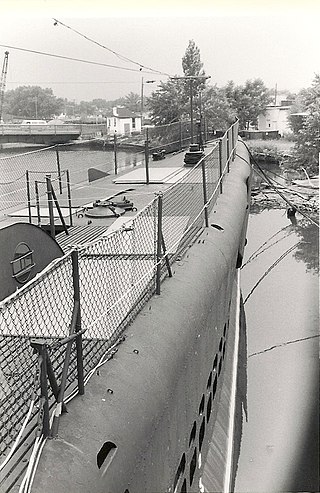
3	81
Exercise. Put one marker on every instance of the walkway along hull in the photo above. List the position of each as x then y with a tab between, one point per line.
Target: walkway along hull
157	416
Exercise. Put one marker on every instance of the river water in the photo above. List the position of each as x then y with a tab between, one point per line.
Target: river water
279	449
77	159
280	441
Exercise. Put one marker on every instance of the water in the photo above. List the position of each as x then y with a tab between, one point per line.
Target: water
75	158
280	442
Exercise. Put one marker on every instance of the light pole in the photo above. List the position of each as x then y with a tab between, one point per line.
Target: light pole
142	95
191	78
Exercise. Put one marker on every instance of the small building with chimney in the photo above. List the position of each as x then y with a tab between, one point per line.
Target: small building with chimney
123	121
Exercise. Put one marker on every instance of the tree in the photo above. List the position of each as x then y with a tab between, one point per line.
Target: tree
248	101
192	66
133	102
171	102
33	102
216	108
307	148
167	104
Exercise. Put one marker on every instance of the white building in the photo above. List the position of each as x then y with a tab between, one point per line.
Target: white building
123	121
275	118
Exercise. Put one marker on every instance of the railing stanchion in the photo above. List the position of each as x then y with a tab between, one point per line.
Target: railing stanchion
115	154
76	295
69	196
59	171
36	187
204	186
220	164
39	346
59	209
28	196
228	151
146	156
159	242
50	206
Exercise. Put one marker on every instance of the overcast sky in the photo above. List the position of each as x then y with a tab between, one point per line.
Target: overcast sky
276	41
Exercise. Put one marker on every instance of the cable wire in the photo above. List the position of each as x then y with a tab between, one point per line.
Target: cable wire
121	57
73	59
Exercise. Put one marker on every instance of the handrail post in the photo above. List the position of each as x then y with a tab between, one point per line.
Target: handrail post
28	196
50	206
59	171
39	346
228	151
59	209
69	196
205	200
36	186
76	296
220	164
115	154
180	135
159	241
146	156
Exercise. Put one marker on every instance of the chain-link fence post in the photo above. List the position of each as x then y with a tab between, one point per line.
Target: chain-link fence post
28	196
36	188
205	200
76	297
39	347
146	156
59	171
228	150
69	196
115	154
50	206
220	164
159	242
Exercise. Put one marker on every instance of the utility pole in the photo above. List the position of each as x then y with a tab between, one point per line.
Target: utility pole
3	81
191	78
142	95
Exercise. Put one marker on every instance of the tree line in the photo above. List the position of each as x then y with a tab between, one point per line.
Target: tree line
170	102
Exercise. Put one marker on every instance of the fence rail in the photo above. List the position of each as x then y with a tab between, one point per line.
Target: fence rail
109	282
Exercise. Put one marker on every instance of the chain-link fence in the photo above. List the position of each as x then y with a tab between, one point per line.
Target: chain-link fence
112	278
171	137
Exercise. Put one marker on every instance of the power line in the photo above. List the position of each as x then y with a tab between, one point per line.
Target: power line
121	57
73	59
74	82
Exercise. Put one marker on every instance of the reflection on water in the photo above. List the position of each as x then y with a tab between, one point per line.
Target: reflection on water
283	329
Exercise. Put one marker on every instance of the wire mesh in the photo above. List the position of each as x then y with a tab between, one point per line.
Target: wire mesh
13	174
171	137
117	275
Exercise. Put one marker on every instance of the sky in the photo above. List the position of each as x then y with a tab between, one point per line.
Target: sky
277	41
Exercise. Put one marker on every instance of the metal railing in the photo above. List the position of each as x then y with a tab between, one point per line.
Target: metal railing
88	297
